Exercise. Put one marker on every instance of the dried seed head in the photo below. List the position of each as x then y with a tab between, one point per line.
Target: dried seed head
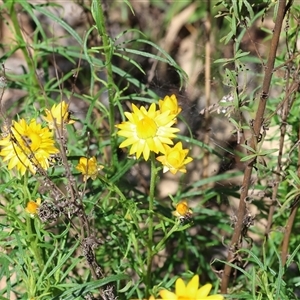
48	212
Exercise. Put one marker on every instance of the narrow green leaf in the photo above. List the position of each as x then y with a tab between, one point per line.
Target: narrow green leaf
266	152
62	23
249	8
75	290
130	60
29	8
248	148
294	176
248	157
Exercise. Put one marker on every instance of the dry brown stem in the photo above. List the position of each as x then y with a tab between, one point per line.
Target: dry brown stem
285	106
207	85
257	124
291	219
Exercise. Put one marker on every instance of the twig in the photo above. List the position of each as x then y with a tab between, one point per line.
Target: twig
207	25
285	104
291	219
258	122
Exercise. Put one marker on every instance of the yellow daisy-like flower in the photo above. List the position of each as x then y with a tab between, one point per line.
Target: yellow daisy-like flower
175	159
169	104
28	146
147	130
32	207
89	168
191	291
58	114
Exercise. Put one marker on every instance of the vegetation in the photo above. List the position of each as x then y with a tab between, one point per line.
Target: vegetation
147	145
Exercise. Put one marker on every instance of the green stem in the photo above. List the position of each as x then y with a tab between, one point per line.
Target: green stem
21	44
99	18
33	244
164	239
150	222
37	252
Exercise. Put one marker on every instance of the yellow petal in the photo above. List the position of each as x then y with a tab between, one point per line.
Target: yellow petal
204	290
168	295
192	287
180	288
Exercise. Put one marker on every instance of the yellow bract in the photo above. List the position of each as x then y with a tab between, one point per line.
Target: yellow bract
32	206
89	168
169	104
28	146
175	159
59	114
183	212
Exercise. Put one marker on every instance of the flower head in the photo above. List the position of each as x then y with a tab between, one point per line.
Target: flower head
175	159
191	291
147	130
183	212
169	104
58	114
89	167
28	146
32	207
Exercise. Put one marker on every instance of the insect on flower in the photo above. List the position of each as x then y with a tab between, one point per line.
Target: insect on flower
183	212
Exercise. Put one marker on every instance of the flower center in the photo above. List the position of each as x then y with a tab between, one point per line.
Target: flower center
146	128
182	208
174	158
35	141
92	169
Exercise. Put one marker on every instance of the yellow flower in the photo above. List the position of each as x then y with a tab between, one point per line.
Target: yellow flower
191	291
32	207
28	146
183	212
169	104
175	159
147	130
88	168
58	114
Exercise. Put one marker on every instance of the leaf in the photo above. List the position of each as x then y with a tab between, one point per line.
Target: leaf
249	8
266	152
29	9
73	290
126	287
294	176
230	78
248	148
130	60
248	157
62	23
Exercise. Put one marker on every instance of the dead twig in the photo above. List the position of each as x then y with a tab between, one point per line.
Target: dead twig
291	219
257	124
207	25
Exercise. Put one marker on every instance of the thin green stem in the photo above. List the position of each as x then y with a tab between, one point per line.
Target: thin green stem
33	244
22	44
164	239
98	14
150	221
37	252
